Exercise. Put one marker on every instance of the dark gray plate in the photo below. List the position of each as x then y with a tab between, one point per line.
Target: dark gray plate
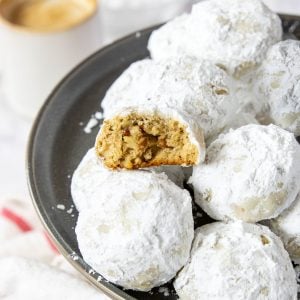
58	143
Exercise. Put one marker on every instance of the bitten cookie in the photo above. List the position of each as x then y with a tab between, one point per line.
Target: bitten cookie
145	137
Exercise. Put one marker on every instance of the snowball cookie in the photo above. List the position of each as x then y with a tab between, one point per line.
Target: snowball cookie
237	261
251	173
233	33
141	236
277	82
138	137
22	278
197	87
239	120
91	174
287	226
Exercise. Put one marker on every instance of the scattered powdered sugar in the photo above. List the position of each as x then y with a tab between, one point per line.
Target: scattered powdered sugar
93	122
251	173
149	241
226	254
70	210
165	291
277	85
60	206
92	271
74	256
99	115
233	33
196	87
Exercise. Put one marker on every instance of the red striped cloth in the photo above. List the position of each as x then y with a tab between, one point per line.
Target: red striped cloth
23	225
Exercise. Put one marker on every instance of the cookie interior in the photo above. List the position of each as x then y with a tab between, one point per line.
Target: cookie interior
143	140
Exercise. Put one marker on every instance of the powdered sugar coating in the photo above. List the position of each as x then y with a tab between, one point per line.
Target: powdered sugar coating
194	132
232	33
237	261
90	175
278	83
287	226
197	87
239	120
251	173
141	236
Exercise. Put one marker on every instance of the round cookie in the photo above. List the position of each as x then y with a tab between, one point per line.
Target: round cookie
90	175
196	87
141	236
287	227
238	121
277	83
235	34
141	137
237	261
251	173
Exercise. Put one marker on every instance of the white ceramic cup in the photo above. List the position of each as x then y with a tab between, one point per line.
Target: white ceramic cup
35	61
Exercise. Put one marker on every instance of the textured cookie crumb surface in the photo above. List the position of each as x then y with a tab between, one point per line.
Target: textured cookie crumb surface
142	140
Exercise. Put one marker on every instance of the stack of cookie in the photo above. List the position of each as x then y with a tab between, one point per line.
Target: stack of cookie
220	97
